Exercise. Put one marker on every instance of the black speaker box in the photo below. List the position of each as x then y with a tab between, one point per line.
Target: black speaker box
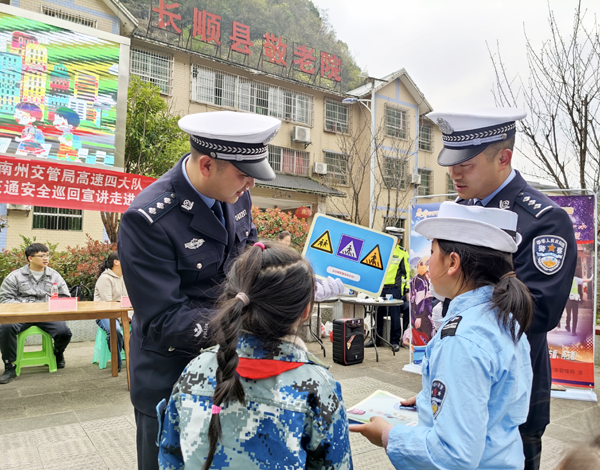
348	341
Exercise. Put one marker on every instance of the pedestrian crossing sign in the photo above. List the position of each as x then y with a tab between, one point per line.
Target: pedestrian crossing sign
357	255
373	259
323	243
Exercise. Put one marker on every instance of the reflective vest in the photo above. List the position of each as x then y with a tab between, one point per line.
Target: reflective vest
398	257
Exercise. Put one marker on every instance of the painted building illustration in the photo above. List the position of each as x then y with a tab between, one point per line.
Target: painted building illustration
45	69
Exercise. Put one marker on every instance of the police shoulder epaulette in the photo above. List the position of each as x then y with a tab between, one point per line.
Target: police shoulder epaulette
531	205
449	329
159	207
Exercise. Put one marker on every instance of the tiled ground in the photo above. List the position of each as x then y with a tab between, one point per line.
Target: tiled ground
81	418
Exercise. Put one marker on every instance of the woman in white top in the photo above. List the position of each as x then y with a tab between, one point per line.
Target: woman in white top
111	287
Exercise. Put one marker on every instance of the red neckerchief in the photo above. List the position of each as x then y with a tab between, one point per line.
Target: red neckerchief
255	369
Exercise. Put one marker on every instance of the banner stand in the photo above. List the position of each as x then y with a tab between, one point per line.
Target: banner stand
575	394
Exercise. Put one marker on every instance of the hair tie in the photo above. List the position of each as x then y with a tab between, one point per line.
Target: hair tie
508	274
243	297
216	410
260	245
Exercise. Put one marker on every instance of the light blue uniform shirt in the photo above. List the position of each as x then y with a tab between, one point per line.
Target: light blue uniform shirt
486	380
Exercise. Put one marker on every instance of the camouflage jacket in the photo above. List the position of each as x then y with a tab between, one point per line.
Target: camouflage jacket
21	286
293	420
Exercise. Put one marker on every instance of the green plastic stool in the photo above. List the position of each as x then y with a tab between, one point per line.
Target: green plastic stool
101	351
44	357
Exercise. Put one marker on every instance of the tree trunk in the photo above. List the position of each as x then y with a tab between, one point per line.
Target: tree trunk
112	222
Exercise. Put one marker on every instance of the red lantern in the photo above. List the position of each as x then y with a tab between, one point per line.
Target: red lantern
303	212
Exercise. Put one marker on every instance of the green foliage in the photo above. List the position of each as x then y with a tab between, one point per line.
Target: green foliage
272	221
154	141
296	21
30	241
76	265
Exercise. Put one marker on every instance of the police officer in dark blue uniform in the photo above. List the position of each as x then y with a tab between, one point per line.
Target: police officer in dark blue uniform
478	151
176	242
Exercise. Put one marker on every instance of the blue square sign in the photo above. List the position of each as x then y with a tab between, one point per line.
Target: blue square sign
359	256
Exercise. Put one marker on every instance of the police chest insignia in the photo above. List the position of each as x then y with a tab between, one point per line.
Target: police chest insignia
438	393
549	253
187	205
449	329
240	215
194	243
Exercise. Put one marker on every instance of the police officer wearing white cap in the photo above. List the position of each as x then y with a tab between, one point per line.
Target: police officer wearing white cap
476	369
176	242
478	149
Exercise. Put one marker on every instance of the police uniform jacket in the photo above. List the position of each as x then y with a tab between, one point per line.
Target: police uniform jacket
174	253
476	388
295	419
543	226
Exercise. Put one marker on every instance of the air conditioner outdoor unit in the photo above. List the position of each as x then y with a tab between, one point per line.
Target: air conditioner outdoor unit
320	168
17	207
415	179
301	134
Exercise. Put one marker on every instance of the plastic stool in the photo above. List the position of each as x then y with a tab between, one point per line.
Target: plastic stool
101	352
44	357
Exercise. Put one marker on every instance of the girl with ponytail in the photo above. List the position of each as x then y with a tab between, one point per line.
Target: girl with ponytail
258	399
477	370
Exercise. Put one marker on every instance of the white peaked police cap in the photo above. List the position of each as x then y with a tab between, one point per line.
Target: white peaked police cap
240	138
394	231
466	134
473	225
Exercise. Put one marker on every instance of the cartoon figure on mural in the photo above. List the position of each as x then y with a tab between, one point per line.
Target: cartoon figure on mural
31	140
65	120
421	303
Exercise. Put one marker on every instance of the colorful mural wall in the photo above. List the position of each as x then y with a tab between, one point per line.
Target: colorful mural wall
58	93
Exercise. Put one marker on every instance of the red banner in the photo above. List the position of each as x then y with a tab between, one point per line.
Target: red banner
52	184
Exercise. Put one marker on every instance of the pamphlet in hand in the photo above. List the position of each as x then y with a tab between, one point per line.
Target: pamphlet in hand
386	406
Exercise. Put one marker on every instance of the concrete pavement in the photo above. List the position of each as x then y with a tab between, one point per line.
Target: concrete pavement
81	418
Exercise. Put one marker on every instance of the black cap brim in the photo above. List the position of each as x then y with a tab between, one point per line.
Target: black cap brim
258	169
450	157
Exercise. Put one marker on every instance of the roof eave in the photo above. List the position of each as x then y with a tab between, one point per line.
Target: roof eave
128	22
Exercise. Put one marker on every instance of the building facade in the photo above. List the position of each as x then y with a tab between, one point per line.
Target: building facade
361	156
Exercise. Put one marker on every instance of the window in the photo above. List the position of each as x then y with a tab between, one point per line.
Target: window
51	218
394	172
450	189
337	167
425	186
154	68
286	160
396	122
224	89
336	117
63	15
426	138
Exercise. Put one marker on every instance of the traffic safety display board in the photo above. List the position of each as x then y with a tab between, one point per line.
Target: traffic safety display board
359	256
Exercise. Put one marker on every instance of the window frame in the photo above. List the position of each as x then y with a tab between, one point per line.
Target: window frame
72	218
208	87
277	153
330	121
147	74
422	142
427	190
391	129
403	181
335	173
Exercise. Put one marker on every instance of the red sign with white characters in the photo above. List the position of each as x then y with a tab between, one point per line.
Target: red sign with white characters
53	184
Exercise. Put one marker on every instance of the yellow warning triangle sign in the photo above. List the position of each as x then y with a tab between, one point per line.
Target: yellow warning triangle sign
323	243
373	258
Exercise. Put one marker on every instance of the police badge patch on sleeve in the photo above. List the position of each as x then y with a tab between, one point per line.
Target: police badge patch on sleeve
549	253
438	393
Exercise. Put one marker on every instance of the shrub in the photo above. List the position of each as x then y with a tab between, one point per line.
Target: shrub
76	265
272	221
